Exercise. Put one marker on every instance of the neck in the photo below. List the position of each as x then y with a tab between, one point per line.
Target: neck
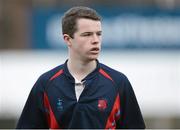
80	69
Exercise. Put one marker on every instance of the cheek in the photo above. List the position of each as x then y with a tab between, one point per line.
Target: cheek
81	45
100	40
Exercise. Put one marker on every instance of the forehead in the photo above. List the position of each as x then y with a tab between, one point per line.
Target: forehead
88	25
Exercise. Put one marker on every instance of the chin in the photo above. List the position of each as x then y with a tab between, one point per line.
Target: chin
93	58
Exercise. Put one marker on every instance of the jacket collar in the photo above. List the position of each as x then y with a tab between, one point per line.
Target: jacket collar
88	77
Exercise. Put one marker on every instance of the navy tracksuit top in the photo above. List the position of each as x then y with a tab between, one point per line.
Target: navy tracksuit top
107	101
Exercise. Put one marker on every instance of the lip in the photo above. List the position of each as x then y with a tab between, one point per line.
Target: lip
95	50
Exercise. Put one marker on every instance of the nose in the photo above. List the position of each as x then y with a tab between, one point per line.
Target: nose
95	39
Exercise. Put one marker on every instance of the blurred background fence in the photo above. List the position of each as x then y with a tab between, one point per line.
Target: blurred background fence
141	38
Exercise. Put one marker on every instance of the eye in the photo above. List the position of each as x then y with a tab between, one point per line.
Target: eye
99	33
86	34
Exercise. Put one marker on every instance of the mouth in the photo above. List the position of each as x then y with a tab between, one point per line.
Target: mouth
95	50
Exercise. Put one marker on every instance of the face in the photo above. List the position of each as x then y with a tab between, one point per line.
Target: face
86	43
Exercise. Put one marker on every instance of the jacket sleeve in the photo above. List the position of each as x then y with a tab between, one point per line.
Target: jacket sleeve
131	117
33	115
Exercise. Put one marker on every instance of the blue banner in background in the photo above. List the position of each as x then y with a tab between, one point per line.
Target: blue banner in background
143	28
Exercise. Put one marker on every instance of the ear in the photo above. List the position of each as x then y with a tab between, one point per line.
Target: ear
67	39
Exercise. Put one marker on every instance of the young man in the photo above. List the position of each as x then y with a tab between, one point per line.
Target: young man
82	93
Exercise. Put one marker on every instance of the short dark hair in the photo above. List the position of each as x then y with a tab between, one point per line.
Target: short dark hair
70	17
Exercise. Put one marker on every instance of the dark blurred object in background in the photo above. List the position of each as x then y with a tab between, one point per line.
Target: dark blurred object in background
14	23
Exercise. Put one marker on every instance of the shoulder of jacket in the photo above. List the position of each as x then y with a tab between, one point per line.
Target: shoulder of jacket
112	72
45	77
